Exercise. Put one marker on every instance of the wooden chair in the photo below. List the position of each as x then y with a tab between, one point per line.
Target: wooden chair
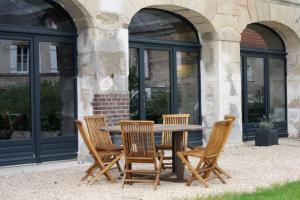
166	140
139	147
208	158
102	159
218	168
101	139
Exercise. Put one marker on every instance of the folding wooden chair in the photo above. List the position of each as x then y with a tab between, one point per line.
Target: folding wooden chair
101	139
208	158
139	147
166	140
218	168
101	160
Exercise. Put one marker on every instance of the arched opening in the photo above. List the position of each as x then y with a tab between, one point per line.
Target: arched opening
37	82
263	63
164	67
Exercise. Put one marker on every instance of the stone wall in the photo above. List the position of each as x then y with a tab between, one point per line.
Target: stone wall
103	50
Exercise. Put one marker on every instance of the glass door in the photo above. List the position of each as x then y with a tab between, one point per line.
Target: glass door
16	119
149	85
264	92
57	108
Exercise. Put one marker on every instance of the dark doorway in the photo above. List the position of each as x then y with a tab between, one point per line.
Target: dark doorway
164	68
263	61
37	83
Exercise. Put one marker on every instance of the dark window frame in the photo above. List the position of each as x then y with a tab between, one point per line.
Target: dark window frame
249	129
38	146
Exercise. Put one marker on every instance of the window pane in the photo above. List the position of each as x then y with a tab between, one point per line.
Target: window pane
15	107
257	36
134	83
277	89
187	85
255	81
57	88
33	13
157	84
161	25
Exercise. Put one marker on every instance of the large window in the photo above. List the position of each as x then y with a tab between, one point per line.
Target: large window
164	71
37	82
264	79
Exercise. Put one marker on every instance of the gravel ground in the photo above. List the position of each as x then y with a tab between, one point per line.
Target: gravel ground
250	167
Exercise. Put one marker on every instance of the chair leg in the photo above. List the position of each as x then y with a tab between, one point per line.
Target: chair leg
105	170
125	174
160	165
219	176
221	171
89	171
119	166
194	171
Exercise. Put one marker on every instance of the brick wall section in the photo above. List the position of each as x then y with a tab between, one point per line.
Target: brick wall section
114	106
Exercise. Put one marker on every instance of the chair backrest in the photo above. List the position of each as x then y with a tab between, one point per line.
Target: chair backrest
217	139
138	138
174	119
100	139
87	140
232	120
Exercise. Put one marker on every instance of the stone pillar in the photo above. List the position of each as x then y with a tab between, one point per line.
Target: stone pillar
221	83
102	78
230	85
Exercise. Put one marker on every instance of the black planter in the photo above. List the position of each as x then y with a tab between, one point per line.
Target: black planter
266	137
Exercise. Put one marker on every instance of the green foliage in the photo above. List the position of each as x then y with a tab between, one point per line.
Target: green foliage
266	123
16	100
287	191
157	105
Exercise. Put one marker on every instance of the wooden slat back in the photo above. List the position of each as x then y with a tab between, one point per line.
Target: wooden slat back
174	119
217	139
138	138
87	140
100	139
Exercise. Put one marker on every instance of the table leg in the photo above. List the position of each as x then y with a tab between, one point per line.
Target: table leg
178	167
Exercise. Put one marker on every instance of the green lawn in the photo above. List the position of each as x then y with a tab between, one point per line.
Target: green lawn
288	191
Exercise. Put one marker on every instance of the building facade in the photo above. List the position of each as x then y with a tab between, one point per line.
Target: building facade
139	59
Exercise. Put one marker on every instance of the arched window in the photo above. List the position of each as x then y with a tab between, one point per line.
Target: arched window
264	79
34	14
37	82
156	24
164	70
259	37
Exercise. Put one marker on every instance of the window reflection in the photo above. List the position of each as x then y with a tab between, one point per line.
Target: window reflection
187	85
57	89
160	25
33	13
277	89
15	108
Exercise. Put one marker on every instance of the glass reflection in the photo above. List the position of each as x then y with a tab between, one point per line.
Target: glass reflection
33	13
255	88
160	25
157	84
57	90
277	89
187	85
15	107
134	84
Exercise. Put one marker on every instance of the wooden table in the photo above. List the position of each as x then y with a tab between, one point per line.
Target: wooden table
177	139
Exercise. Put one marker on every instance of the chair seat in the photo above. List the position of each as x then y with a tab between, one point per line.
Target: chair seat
194	152
109	152
164	147
110	148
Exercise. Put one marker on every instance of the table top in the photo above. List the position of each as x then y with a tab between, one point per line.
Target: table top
159	128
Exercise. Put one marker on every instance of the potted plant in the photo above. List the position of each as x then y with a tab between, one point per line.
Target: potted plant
266	134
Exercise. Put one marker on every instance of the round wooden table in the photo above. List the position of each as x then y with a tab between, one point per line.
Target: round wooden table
177	139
